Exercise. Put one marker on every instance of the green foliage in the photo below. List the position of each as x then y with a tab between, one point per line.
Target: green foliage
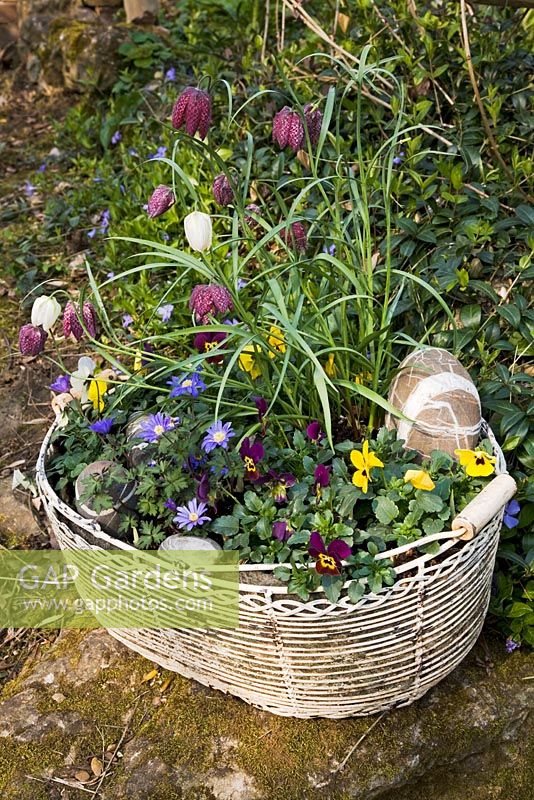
456	223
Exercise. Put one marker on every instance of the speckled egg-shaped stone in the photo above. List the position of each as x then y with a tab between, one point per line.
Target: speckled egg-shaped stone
437	393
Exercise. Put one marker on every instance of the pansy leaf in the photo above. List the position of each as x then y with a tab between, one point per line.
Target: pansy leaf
332	585
432	525
356	591
226	526
385	510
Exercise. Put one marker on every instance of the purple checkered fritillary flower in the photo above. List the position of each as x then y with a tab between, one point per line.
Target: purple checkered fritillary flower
192	111
161	200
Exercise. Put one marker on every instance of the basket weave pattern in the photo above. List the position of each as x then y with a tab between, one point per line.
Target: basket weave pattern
315	658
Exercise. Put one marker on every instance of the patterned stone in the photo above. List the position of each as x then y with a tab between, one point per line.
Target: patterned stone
437	393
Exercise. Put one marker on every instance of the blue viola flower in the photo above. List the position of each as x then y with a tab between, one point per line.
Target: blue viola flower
511	514
102	426
61	384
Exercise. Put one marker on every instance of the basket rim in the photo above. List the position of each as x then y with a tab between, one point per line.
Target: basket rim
45	488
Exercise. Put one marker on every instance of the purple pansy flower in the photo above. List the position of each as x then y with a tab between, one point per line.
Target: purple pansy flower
102	426
322	478
251	454
203	488
127	320
281	531
262	405
206	342
153	428
217	435
186	384
191	515
61	384
165	312
314	432
280	483
511	514
328	558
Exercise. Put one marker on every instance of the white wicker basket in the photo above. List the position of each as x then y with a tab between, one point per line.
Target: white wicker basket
318	659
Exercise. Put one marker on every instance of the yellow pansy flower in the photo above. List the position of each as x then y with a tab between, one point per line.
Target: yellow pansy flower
138	361
420	479
330	368
276	341
248	361
364	461
477	463
95	392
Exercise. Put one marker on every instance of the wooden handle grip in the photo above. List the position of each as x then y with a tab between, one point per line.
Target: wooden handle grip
485	506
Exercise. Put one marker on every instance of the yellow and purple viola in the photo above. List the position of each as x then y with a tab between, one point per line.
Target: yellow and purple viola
328	558
477	463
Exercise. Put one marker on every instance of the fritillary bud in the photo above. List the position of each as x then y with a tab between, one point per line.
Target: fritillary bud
314	121
89	318
71	321
281	127
32	340
161	200
222	190
192	111
296	236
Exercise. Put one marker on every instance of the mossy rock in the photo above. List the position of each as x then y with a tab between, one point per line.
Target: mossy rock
80	55
178	739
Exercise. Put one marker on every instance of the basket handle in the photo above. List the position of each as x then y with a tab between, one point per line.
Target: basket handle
484	506
471	519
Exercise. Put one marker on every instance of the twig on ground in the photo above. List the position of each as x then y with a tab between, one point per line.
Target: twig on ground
478	99
341	766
